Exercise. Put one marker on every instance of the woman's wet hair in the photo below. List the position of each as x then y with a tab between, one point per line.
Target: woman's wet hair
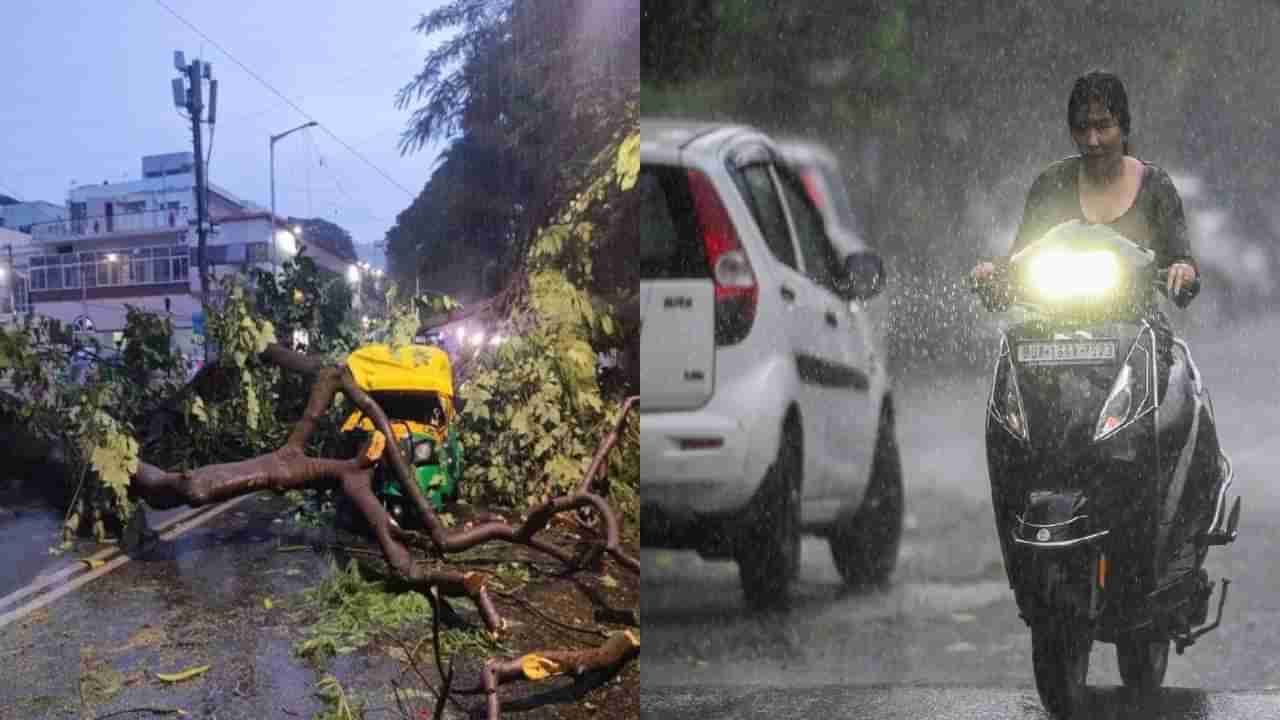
1105	87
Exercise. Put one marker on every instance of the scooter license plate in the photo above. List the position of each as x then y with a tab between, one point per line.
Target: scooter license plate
1066	352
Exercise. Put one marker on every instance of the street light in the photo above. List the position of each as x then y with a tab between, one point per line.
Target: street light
84	284
272	152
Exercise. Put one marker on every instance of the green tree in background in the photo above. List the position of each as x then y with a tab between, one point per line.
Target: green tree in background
526	94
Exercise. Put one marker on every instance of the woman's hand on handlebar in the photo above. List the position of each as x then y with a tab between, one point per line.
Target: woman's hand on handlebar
983	272
1180	275
990	281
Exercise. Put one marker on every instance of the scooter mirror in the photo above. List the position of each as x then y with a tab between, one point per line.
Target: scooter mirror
863	276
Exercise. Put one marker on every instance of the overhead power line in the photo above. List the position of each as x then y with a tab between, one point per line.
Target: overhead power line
287	101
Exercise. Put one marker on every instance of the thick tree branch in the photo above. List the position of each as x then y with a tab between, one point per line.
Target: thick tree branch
620	648
290	468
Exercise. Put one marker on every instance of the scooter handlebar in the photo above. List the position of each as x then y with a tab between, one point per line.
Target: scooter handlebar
994	289
995	293
1183	297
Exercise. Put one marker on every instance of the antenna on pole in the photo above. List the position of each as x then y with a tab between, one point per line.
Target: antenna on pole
188	92
179	93
213	103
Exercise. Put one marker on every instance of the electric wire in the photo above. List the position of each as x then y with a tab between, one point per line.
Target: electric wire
337	182
287	101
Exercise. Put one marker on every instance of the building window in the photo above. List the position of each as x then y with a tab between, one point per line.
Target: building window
23	296
257	252
117	268
16	298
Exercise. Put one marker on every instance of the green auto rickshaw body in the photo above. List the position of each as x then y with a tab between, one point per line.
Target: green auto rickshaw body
413	385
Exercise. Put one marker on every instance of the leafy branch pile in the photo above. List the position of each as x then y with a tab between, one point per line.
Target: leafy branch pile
534	409
542	435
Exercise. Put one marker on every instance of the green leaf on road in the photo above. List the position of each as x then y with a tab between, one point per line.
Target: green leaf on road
184	674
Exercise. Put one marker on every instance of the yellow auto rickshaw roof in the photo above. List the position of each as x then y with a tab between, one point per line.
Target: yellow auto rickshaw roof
410	368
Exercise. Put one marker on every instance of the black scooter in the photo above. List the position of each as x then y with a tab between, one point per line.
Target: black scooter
1107	481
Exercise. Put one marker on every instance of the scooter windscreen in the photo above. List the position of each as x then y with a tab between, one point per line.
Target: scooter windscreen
1080	269
1077	366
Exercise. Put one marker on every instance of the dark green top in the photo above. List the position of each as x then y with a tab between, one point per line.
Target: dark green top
1155	220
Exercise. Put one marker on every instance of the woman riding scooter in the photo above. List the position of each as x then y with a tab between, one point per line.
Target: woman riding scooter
1104	184
1107	503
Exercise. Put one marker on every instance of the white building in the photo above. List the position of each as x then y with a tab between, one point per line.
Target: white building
13	245
21	216
134	243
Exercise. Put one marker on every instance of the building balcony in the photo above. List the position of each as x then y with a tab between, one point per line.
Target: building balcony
124	223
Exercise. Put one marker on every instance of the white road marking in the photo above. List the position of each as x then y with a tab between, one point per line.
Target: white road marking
177	527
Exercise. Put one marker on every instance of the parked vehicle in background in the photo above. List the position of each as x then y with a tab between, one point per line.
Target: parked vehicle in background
766	409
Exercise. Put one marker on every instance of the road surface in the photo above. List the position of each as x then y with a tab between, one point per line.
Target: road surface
945	640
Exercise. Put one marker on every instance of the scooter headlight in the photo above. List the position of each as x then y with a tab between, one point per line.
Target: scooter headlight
1130	395
1006	400
1058	274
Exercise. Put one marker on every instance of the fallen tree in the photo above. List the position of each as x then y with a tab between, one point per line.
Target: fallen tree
290	468
540	432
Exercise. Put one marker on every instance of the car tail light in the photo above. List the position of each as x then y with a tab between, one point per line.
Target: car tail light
736	289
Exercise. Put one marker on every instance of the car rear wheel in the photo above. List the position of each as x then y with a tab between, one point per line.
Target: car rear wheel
768	548
864	544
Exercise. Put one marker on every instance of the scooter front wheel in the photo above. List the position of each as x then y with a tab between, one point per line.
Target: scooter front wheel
1143	661
1060	648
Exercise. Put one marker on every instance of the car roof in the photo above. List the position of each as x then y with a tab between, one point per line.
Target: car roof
670	136
806	152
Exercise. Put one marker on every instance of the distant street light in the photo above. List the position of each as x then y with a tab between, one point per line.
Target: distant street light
272	152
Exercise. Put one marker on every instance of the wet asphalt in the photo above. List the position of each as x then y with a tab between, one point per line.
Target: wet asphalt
196	600
943	703
944	639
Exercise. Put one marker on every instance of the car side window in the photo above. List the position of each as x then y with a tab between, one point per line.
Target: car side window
756	184
811	236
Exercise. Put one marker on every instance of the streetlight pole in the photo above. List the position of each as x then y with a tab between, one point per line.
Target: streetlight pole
272	152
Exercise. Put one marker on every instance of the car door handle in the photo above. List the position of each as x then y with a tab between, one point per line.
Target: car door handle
788	294
832	320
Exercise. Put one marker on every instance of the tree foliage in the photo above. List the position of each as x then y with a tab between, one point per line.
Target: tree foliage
534	410
525	94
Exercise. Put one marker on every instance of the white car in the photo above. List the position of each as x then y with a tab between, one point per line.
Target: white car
765	405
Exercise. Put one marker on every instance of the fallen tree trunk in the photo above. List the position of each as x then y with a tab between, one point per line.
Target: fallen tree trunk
289	468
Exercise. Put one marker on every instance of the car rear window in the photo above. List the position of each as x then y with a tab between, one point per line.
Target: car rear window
670	244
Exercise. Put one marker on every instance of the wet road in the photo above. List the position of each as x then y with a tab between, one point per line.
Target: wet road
197	599
945	639
942	703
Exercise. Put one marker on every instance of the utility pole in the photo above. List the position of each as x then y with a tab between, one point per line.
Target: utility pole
188	93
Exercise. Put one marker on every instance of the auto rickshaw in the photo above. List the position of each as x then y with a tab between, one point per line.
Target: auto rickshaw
414	386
